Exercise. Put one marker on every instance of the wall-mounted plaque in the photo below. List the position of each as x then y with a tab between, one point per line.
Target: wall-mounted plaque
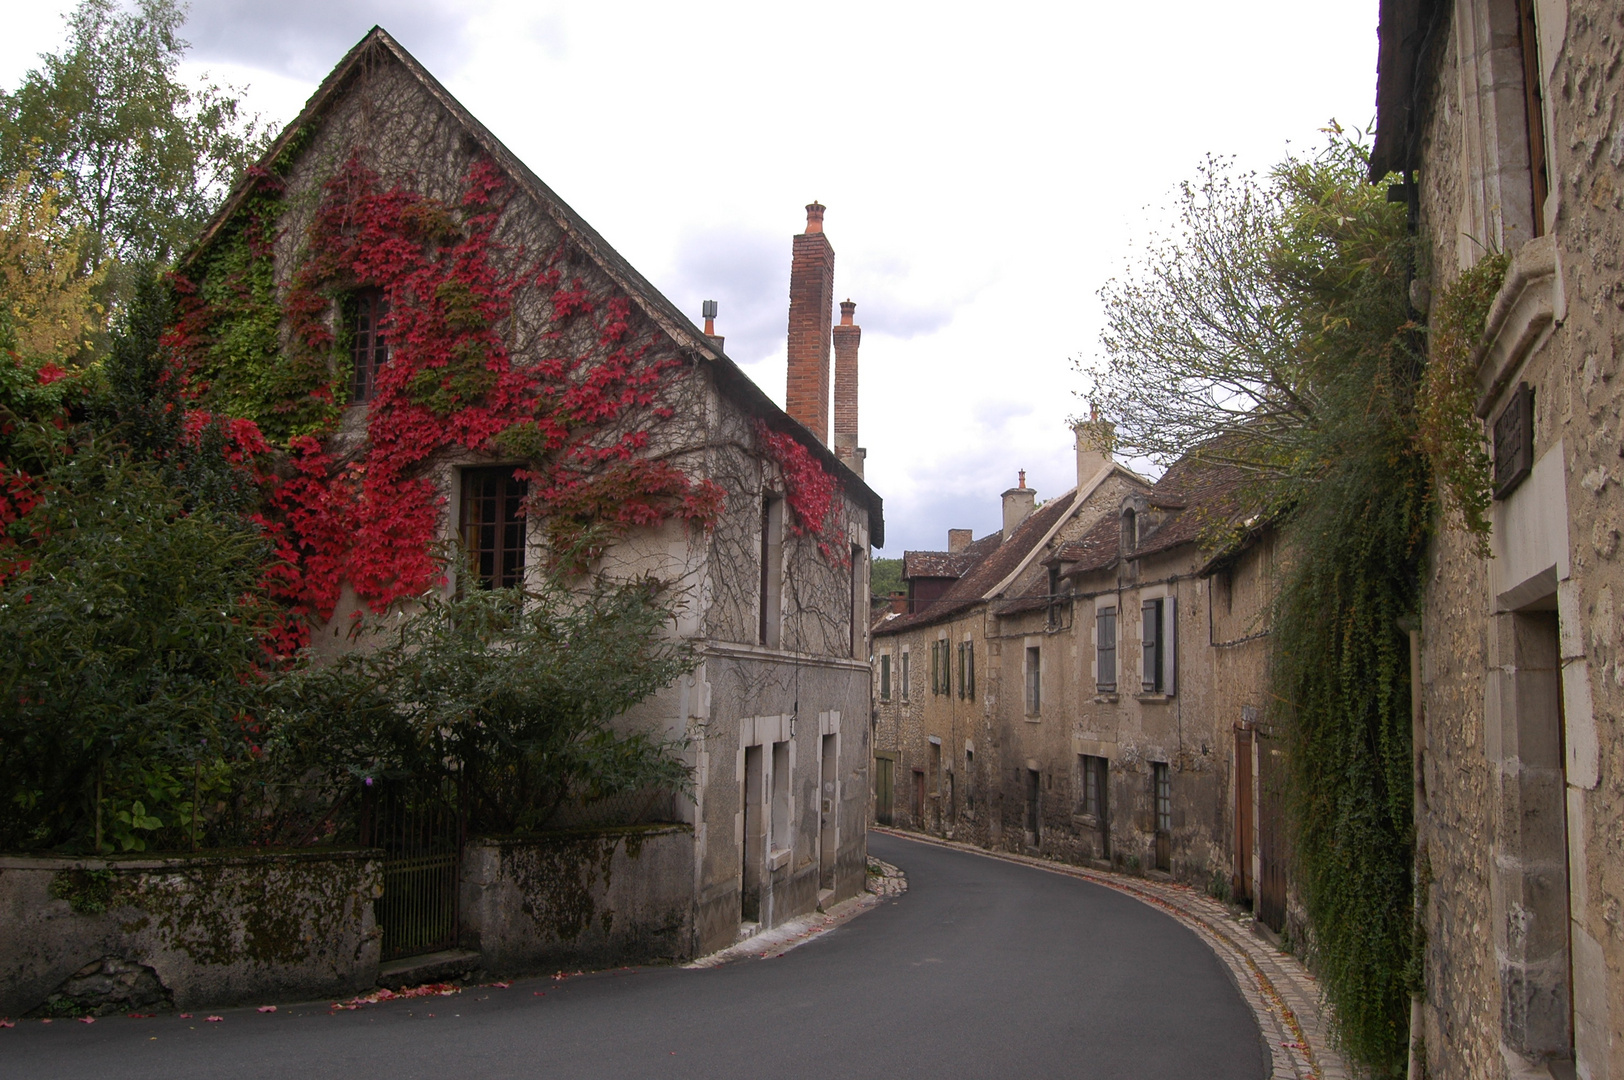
1514	441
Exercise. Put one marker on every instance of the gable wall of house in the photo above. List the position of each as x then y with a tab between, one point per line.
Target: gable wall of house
801	702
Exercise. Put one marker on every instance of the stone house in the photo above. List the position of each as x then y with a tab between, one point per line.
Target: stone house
773	575
1502	118
1087	684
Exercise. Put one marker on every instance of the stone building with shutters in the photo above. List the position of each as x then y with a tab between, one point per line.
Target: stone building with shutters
1502	119
1088	684
773	584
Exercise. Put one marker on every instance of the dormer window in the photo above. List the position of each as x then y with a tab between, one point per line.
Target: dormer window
1130	530
369	348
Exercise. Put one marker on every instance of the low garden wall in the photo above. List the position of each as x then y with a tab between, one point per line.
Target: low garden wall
599	896
137	934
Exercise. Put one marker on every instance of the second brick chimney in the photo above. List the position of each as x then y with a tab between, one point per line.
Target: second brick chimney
847	337
811	303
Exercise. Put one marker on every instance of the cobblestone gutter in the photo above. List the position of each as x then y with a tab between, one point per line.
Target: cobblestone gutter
1282	994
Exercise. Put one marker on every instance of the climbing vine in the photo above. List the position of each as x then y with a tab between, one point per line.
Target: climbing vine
813	496
578	421
1448	429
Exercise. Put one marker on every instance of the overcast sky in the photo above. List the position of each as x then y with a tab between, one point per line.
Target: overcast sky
987	168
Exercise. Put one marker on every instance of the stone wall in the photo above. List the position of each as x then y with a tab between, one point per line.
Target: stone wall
1522	686
216	929
622	895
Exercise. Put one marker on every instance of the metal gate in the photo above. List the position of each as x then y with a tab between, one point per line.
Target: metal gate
1271	835
419	825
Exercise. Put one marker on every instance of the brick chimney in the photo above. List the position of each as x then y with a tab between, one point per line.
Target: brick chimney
958	540
847	336
811	302
1094	439
1019	502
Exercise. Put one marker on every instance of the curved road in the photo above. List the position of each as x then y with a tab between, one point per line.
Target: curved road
983	969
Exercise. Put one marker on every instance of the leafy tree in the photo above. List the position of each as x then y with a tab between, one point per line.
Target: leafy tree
48	311
1273	332
885	578
132	649
520	686
142	160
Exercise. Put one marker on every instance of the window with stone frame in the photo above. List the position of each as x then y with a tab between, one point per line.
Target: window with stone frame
1034	680
493	525
902	674
885	676
369	342
1105	650
1159	638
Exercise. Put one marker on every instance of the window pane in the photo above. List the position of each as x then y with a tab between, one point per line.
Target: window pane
493	525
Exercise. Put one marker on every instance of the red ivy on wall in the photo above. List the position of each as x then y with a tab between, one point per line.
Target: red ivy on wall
812	494
578	422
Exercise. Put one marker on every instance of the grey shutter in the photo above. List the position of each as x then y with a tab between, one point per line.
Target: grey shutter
1149	629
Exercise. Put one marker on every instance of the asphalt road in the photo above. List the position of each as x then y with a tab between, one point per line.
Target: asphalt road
982	969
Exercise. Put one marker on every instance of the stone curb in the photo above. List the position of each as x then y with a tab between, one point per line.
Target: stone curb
1281	993
889	882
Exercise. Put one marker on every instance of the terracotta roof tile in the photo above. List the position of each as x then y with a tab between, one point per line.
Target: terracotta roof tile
994	559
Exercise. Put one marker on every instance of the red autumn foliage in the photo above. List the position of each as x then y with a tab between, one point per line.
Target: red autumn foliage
812	494
578	421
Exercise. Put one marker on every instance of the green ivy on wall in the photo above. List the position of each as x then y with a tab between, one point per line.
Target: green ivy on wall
1448	429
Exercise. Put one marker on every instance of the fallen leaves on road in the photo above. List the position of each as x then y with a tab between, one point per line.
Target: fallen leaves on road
5	1022
87	1019
426	990
185	1016
142	1016
214	1019
267	1008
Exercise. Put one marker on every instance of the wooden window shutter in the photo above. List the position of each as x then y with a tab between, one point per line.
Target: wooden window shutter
1150	629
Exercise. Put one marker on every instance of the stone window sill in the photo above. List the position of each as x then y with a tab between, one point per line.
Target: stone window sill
1106	697
777	858
1153	699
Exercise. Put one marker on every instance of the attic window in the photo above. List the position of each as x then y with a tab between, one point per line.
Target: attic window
369	349
1130	530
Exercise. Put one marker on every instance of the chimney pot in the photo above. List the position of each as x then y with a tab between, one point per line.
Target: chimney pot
847	309
814	216
1021	479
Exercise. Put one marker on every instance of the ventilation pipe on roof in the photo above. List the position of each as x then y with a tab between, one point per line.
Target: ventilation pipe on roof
709	311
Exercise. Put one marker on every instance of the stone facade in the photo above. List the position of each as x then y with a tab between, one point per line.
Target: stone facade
1017	729
1506	115
775	718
